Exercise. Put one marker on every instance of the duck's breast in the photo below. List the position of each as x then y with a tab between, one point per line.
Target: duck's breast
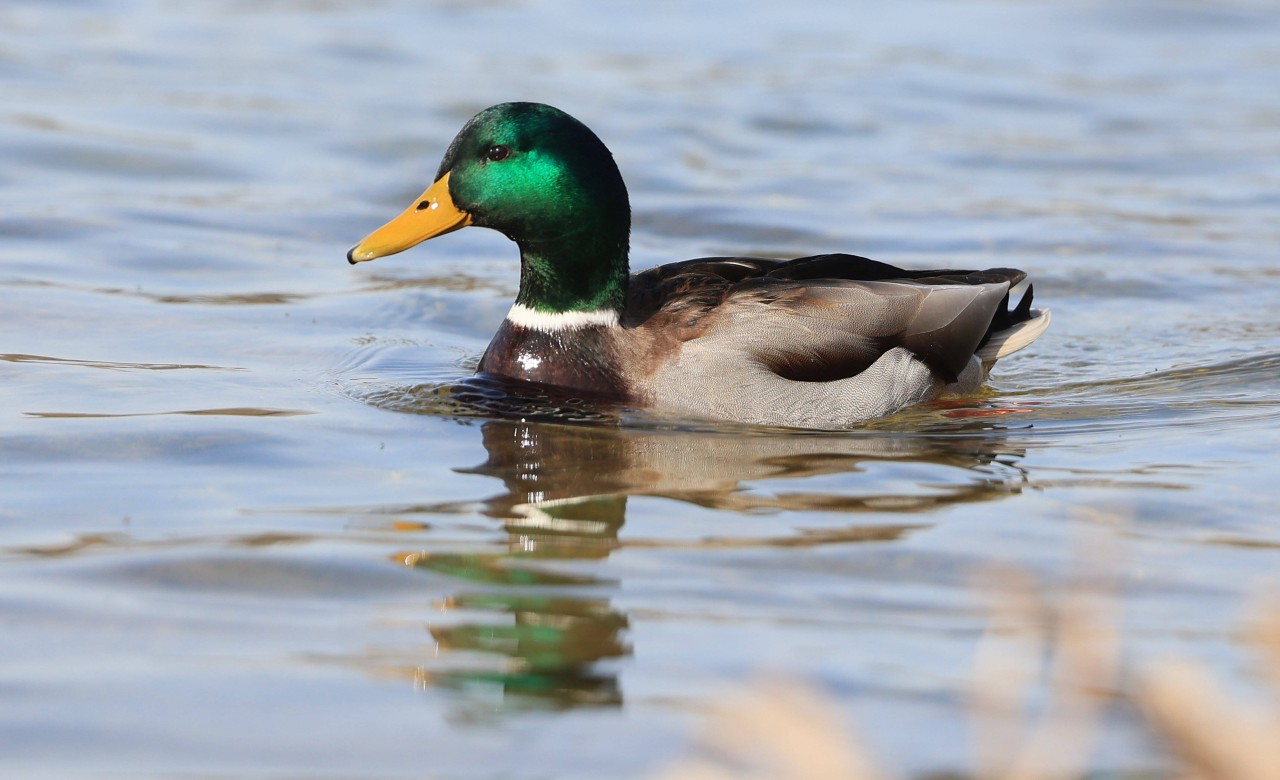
585	358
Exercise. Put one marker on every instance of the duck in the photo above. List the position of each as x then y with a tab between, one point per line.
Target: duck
820	342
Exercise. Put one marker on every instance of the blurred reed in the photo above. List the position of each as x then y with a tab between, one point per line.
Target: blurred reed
1047	671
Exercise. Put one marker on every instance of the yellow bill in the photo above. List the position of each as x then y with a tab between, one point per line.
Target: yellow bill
431	215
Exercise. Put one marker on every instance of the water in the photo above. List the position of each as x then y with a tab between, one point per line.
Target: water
246	531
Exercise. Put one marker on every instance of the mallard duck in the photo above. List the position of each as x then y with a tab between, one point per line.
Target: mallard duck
816	342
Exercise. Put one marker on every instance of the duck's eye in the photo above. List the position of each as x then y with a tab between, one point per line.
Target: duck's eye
498	153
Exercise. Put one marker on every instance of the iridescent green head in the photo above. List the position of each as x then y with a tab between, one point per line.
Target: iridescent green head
543	179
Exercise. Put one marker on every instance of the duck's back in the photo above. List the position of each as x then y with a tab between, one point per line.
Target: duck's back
820	341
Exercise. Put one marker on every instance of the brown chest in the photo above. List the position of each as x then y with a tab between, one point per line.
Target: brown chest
585	359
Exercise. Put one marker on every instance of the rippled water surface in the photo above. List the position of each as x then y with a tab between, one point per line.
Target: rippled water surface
247	528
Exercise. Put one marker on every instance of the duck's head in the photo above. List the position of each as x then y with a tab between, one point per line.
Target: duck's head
527	170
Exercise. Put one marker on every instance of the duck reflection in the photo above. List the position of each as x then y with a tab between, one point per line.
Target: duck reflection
564	501
548	470
555	631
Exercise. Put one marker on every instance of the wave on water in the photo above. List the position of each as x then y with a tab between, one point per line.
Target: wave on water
1215	395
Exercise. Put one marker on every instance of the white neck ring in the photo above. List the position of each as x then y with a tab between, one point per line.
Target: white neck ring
555	321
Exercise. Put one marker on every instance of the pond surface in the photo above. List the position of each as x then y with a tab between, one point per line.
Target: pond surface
246	528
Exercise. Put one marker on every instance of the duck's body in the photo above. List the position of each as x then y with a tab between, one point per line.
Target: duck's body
819	342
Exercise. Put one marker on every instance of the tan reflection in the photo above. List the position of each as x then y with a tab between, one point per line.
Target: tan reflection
549	636
237	411
548	469
112	365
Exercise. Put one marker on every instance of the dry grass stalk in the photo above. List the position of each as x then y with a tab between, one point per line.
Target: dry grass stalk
1216	737
1080	648
784	731
1006	667
777	731
1266	636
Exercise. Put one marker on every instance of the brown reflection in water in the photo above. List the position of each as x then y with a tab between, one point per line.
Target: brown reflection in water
230	299
547	469
237	411
224	299
112	365
82	544
457	280
565	500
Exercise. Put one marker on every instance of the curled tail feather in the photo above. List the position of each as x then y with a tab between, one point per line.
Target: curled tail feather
1011	339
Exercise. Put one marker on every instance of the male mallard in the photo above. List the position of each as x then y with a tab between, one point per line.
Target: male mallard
817	342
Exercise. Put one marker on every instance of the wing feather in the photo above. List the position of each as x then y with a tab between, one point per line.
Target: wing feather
826	317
